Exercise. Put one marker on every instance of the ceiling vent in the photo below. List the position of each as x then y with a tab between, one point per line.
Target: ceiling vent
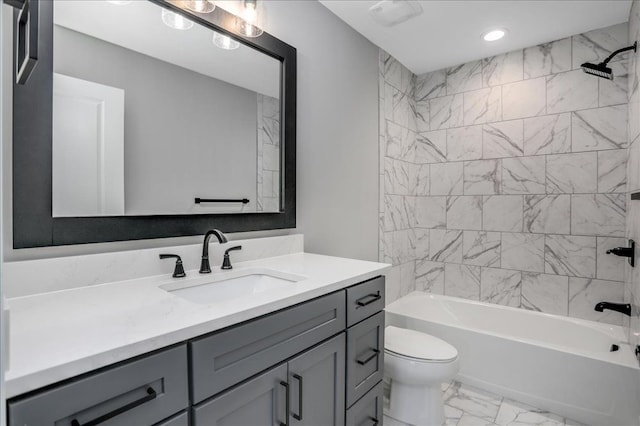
393	12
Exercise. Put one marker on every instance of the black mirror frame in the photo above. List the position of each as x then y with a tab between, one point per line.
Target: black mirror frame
33	224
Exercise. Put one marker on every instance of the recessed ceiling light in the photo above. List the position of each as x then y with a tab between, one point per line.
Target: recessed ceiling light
494	35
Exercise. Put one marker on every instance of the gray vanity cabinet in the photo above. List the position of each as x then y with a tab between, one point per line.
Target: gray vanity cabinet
318	363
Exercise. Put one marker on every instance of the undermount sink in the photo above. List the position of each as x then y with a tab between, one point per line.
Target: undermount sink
231	286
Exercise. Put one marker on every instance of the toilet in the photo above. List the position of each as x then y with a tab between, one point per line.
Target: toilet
416	364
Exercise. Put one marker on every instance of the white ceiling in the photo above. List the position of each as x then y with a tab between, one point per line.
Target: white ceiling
138	26
449	32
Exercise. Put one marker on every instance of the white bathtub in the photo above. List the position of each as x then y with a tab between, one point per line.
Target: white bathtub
556	363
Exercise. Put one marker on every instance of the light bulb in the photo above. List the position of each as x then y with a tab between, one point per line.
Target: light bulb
175	20
494	35
225	42
200	6
248	23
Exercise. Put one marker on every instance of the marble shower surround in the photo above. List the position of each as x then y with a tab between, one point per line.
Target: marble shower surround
504	179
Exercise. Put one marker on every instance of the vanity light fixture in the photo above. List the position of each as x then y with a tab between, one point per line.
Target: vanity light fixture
200	6
224	42
175	20
251	19
494	35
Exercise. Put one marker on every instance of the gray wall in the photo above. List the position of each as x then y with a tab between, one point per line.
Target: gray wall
186	134
337	139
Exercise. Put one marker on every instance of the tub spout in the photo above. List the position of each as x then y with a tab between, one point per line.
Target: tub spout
624	308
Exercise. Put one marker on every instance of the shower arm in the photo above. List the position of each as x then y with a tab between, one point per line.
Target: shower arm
624	49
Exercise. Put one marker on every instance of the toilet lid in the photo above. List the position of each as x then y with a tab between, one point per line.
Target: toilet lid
414	344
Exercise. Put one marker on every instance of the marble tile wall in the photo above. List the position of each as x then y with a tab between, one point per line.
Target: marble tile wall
268	158
632	275
504	179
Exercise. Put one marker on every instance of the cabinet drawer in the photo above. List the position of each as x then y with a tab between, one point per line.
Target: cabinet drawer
233	355
364	300
141	392
368	410
181	419
365	356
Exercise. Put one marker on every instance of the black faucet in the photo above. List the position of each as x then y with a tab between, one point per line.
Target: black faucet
624	308
205	267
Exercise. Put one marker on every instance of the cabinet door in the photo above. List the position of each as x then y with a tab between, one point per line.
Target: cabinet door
258	402
317	379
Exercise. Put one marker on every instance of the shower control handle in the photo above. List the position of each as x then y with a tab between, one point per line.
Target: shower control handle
625	252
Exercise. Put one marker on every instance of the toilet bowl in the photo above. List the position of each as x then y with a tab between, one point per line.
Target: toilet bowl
415	364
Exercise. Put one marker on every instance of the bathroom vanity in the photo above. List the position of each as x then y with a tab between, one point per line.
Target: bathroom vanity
305	353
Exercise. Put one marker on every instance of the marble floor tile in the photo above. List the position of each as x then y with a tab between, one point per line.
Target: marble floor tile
465	405
513	413
473	401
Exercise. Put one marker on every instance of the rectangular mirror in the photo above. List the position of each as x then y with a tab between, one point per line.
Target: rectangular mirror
153	120
129	129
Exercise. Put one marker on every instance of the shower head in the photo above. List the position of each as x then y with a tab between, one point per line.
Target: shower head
600	70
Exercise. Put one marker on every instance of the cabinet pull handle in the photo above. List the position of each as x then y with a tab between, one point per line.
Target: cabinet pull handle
374	353
372	298
26	37
299	415
151	394
286	403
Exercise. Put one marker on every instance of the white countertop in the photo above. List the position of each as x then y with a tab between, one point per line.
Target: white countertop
58	335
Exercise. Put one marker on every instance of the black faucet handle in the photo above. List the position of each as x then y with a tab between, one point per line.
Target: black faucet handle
226	262
178	271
